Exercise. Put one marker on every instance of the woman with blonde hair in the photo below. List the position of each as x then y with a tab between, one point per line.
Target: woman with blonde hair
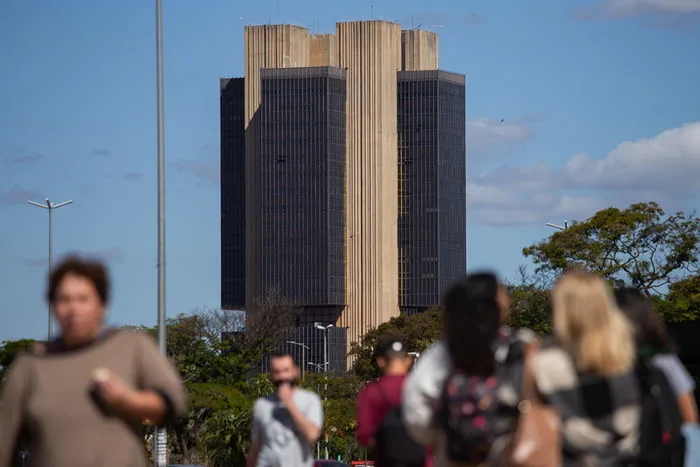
586	372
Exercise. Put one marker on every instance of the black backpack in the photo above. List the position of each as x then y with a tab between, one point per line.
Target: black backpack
472	415
394	446
661	442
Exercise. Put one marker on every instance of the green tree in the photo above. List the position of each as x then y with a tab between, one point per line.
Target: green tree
530	305
640	246
682	303
419	331
9	350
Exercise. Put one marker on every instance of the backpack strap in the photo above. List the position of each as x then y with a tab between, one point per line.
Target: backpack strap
652	375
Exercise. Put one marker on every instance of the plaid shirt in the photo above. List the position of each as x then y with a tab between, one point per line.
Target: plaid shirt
600	416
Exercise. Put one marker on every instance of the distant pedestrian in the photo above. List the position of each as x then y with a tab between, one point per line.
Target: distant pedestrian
379	421
471	381
79	401
287	423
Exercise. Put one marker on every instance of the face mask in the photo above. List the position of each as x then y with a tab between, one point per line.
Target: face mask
291	382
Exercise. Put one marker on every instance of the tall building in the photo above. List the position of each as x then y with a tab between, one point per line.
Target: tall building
233	182
432	185
354	172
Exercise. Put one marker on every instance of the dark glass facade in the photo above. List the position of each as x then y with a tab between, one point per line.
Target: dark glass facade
302	188
432	185
232	107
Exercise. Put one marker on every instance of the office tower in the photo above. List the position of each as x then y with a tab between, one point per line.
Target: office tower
293	152
432	185
302	188
266	47
233	184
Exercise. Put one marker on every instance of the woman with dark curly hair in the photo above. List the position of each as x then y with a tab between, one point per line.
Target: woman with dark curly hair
79	400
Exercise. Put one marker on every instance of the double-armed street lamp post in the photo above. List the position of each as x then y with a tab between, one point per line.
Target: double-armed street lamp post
51	207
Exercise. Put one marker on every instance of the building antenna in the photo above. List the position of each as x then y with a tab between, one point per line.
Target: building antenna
279	13
371	9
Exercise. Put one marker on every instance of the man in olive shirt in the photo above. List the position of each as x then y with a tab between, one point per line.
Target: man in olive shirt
287	423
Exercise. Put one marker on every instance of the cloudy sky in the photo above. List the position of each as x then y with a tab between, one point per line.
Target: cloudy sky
572	106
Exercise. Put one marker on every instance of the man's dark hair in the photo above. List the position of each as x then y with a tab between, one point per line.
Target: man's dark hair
639	309
92	270
282	354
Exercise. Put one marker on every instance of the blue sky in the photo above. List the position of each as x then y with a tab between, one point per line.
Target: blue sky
599	101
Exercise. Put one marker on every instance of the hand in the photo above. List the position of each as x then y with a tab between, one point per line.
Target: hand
285	393
112	390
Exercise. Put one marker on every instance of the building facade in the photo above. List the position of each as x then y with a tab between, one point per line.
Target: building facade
432	185
233	183
302	188
354	173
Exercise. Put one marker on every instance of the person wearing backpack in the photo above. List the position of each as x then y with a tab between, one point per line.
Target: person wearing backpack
667	388
379	422
586	373
462	396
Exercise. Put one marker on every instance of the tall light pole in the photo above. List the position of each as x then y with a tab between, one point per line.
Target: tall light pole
559	227
318	367
325	364
161	445
304	348
49	206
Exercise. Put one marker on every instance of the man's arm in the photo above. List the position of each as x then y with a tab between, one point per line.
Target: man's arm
309	427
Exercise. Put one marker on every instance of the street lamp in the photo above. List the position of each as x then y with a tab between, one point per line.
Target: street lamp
325	329
49	206
318	367
304	348
559	227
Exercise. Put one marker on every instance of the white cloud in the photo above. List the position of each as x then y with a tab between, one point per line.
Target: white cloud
664	168
628	8
664	14
484	134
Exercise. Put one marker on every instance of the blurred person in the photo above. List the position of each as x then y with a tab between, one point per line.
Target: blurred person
668	401
478	365
379	423
655	345
80	400
586	372
287	423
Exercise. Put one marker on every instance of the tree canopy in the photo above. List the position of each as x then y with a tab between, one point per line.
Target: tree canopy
640	246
